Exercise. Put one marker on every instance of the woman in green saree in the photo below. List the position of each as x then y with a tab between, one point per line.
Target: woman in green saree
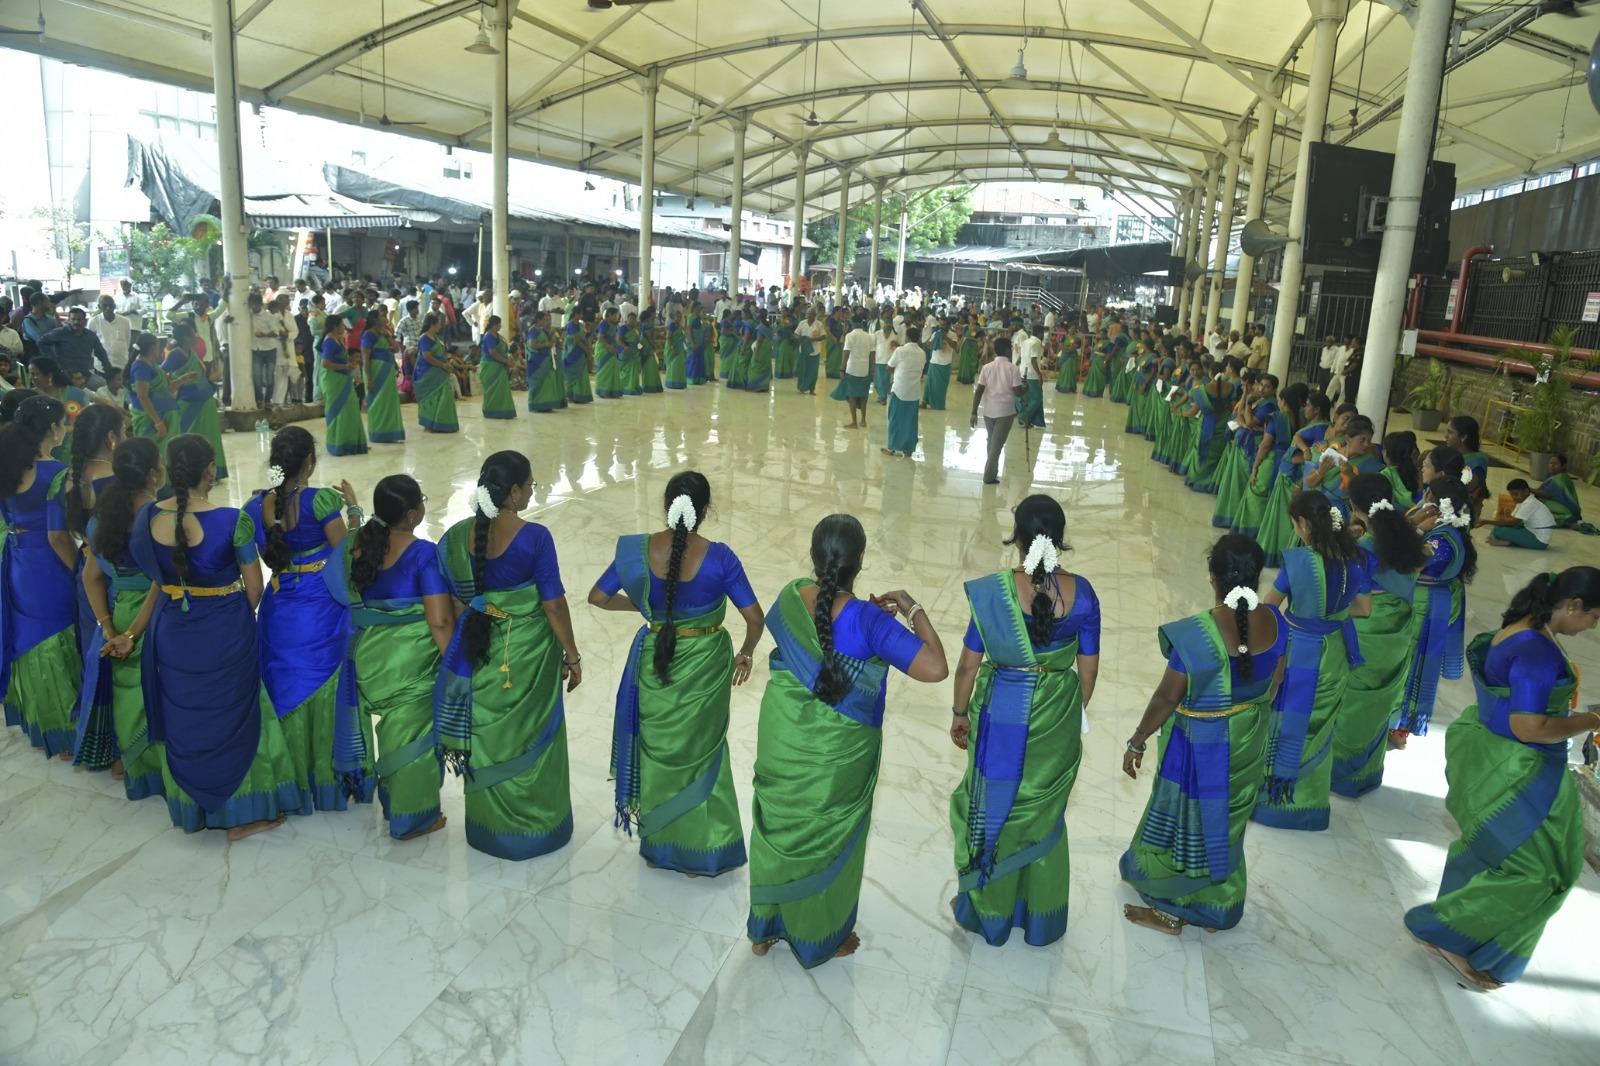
546	390
1094	381
609	374
818	745
430	383
1521	845
494	372
154	410
1211	709
729	345
834	327
1277	429
1067	364
1276	531
1400	468
676	374
197	399
378	347
644	371
1024	678
502	726
1560	494
967	367
1388	636
341	411
787	362
670	738
577	359
49	378
402	618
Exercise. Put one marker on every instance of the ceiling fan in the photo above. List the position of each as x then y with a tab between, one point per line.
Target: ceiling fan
810	119
383	72
607	5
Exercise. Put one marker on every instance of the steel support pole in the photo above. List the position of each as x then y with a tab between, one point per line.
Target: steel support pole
900	259
1327	15
500	212
647	188
797	256
877	236
235	226
1424	76
1208	212
1190	204
736	210
844	228
1253	208
1219	257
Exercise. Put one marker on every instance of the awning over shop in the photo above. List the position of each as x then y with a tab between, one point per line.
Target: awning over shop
182	180
1126	260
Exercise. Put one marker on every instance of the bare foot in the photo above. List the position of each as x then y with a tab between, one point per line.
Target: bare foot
1477	980
851	943
434	828
65	756
239	832
1151	918
761	947
117	772
1397	740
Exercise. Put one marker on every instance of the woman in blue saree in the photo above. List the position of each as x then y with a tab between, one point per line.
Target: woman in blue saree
341	410
1521	845
41	667
1144	382
1233	469
1277	530
670	737
1333	474
1211	710
304	631
1444	517
431	381
546	390
228	764
1278	418
1327	584
1560	494
378	345
197	399
818	745
1027	670
1212	403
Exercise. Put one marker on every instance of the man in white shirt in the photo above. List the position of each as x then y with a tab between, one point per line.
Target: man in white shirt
1028	354
478	313
130	304
999	385
1341	367
905	392
858	352
115	331
264	329
1327	362
1531	524
288	367
1049	321
724	303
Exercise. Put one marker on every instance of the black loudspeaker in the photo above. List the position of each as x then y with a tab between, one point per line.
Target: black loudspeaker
1345	210
1166	315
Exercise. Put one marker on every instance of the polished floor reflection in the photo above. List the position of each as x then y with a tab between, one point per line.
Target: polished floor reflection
124	941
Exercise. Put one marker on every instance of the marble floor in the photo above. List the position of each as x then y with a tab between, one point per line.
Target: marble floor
124	941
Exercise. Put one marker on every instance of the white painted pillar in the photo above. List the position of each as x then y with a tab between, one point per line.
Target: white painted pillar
235	226
877	235
1191	204
1327	15
1208	212
1225	208
736	209
647	187
900	260
797	255
844	227
499	210
1424	75
1253	208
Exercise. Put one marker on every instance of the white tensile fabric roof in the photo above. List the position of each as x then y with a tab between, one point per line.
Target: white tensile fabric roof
1142	93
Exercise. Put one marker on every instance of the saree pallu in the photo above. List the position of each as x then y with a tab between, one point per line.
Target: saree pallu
967	368
1135	421
807	366
1361	732
1252	506
629	357
694	357
1187	856
902	425
111	718
1030	405
389	669
575	375
608	375
502	725
1123	382
731	353
758	373
1233	476
546	390
1276	532
496	382
1210	440
649	370
436	401
1322	650
1008	815
833	357
384	425
1521	845
788	359
341	413
677	374
816	769
1067	371
1094	383
669	748
936	387
1404	498
1185	444
1562	499
1440	607
41	666
197	412
880	380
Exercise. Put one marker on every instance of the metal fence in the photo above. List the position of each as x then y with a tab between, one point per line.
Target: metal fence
1574	278
1506	298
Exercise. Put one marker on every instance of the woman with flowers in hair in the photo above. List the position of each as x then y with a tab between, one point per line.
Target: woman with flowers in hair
1521	846
670	739
1326	584
1444	517
303	629
499	719
1211	711
819	741
1027	670
341	410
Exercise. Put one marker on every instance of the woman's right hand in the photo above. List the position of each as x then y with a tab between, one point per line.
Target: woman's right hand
572	674
960	730
901	601
1131	762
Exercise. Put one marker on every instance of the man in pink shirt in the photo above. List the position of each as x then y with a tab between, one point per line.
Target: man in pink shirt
999	385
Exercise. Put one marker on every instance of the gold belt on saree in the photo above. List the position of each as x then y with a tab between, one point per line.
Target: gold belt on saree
297	568
1032	669
180	591
1235	709
657	627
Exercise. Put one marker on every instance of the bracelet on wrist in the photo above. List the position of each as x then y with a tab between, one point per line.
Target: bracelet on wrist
1136	749
960	714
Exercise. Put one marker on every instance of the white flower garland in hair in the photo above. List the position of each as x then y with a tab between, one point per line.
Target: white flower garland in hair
682	512
1379	505
1041	551
1335	519
1466	475
1449	517
275	476
482	501
1239	594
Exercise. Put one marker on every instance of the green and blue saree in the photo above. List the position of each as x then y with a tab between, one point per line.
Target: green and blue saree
1388	638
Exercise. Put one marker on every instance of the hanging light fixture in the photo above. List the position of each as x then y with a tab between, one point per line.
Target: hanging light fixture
1054	141
482	46
1018	79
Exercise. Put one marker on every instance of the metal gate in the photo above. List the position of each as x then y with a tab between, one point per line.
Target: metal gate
1337	303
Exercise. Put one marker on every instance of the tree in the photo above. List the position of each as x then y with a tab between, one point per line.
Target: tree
69	238
936	215
161	262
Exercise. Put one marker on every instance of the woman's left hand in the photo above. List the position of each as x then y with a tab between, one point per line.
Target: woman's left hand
960	729
349	494
1131	762
572	674
741	668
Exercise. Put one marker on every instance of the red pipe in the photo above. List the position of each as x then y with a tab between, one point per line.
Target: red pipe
1414	303
1435	343
1461	283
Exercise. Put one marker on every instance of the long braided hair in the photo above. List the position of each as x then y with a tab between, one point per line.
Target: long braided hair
1395	541
693	484
292	449
188	457
131	467
1236	562
89	434
837	544
29	423
392	498
1037	516
501	473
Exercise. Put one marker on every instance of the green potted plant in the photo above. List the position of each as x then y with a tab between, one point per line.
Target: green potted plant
1428	399
1549	399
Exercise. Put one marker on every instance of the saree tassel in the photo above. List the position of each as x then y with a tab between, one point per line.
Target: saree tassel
353	783
457	762
627	817
1280	790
